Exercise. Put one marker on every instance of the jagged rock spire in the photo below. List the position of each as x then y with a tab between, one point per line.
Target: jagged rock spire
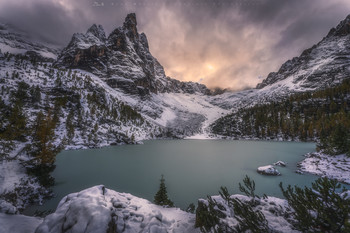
130	21
97	31
130	24
122	60
342	29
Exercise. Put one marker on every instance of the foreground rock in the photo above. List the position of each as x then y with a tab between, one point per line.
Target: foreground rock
13	223
268	170
98	209
334	167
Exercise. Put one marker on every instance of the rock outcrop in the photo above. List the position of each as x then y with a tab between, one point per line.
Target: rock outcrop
122	60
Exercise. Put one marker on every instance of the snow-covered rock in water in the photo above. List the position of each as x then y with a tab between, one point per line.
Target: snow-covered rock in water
268	170
280	163
98	209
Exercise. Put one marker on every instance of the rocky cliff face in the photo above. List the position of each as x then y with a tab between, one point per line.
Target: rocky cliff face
122	60
324	64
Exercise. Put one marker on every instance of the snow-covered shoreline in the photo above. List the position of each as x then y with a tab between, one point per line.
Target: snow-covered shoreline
148	216
334	167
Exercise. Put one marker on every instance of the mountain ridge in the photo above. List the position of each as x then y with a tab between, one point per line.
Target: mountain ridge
123	60
16	42
320	66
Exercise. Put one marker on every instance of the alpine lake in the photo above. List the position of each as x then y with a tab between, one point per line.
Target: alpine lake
192	169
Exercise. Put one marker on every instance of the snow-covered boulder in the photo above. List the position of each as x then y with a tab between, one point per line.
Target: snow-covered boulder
280	163
7	208
17	223
268	170
98	209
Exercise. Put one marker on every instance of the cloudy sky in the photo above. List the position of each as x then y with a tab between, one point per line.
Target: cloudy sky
221	43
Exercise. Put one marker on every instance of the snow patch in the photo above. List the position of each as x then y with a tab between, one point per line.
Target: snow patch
99	209
18	223
334	167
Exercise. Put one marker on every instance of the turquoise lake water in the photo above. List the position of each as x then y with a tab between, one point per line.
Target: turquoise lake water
192	169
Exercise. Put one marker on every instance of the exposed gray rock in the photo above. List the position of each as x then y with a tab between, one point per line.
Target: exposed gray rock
122	60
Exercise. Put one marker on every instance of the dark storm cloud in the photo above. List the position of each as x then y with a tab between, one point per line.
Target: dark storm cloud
227	43
44	19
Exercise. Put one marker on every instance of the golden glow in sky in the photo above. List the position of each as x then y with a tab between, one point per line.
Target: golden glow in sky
210	67
227	46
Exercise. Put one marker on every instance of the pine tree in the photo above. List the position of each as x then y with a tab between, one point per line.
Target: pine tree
42	149
43	137
70	125
16	129
35	94
191	208
161	197
323	208
250	218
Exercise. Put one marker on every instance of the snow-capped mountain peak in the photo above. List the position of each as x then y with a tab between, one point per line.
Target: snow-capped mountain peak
323	65
122	60
129	26
342	29
97	31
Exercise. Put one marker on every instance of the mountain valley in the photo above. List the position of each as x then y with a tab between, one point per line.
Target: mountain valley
109	90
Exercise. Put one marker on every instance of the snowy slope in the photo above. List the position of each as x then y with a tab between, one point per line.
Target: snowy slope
15	42
79	86
184	114
324	64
